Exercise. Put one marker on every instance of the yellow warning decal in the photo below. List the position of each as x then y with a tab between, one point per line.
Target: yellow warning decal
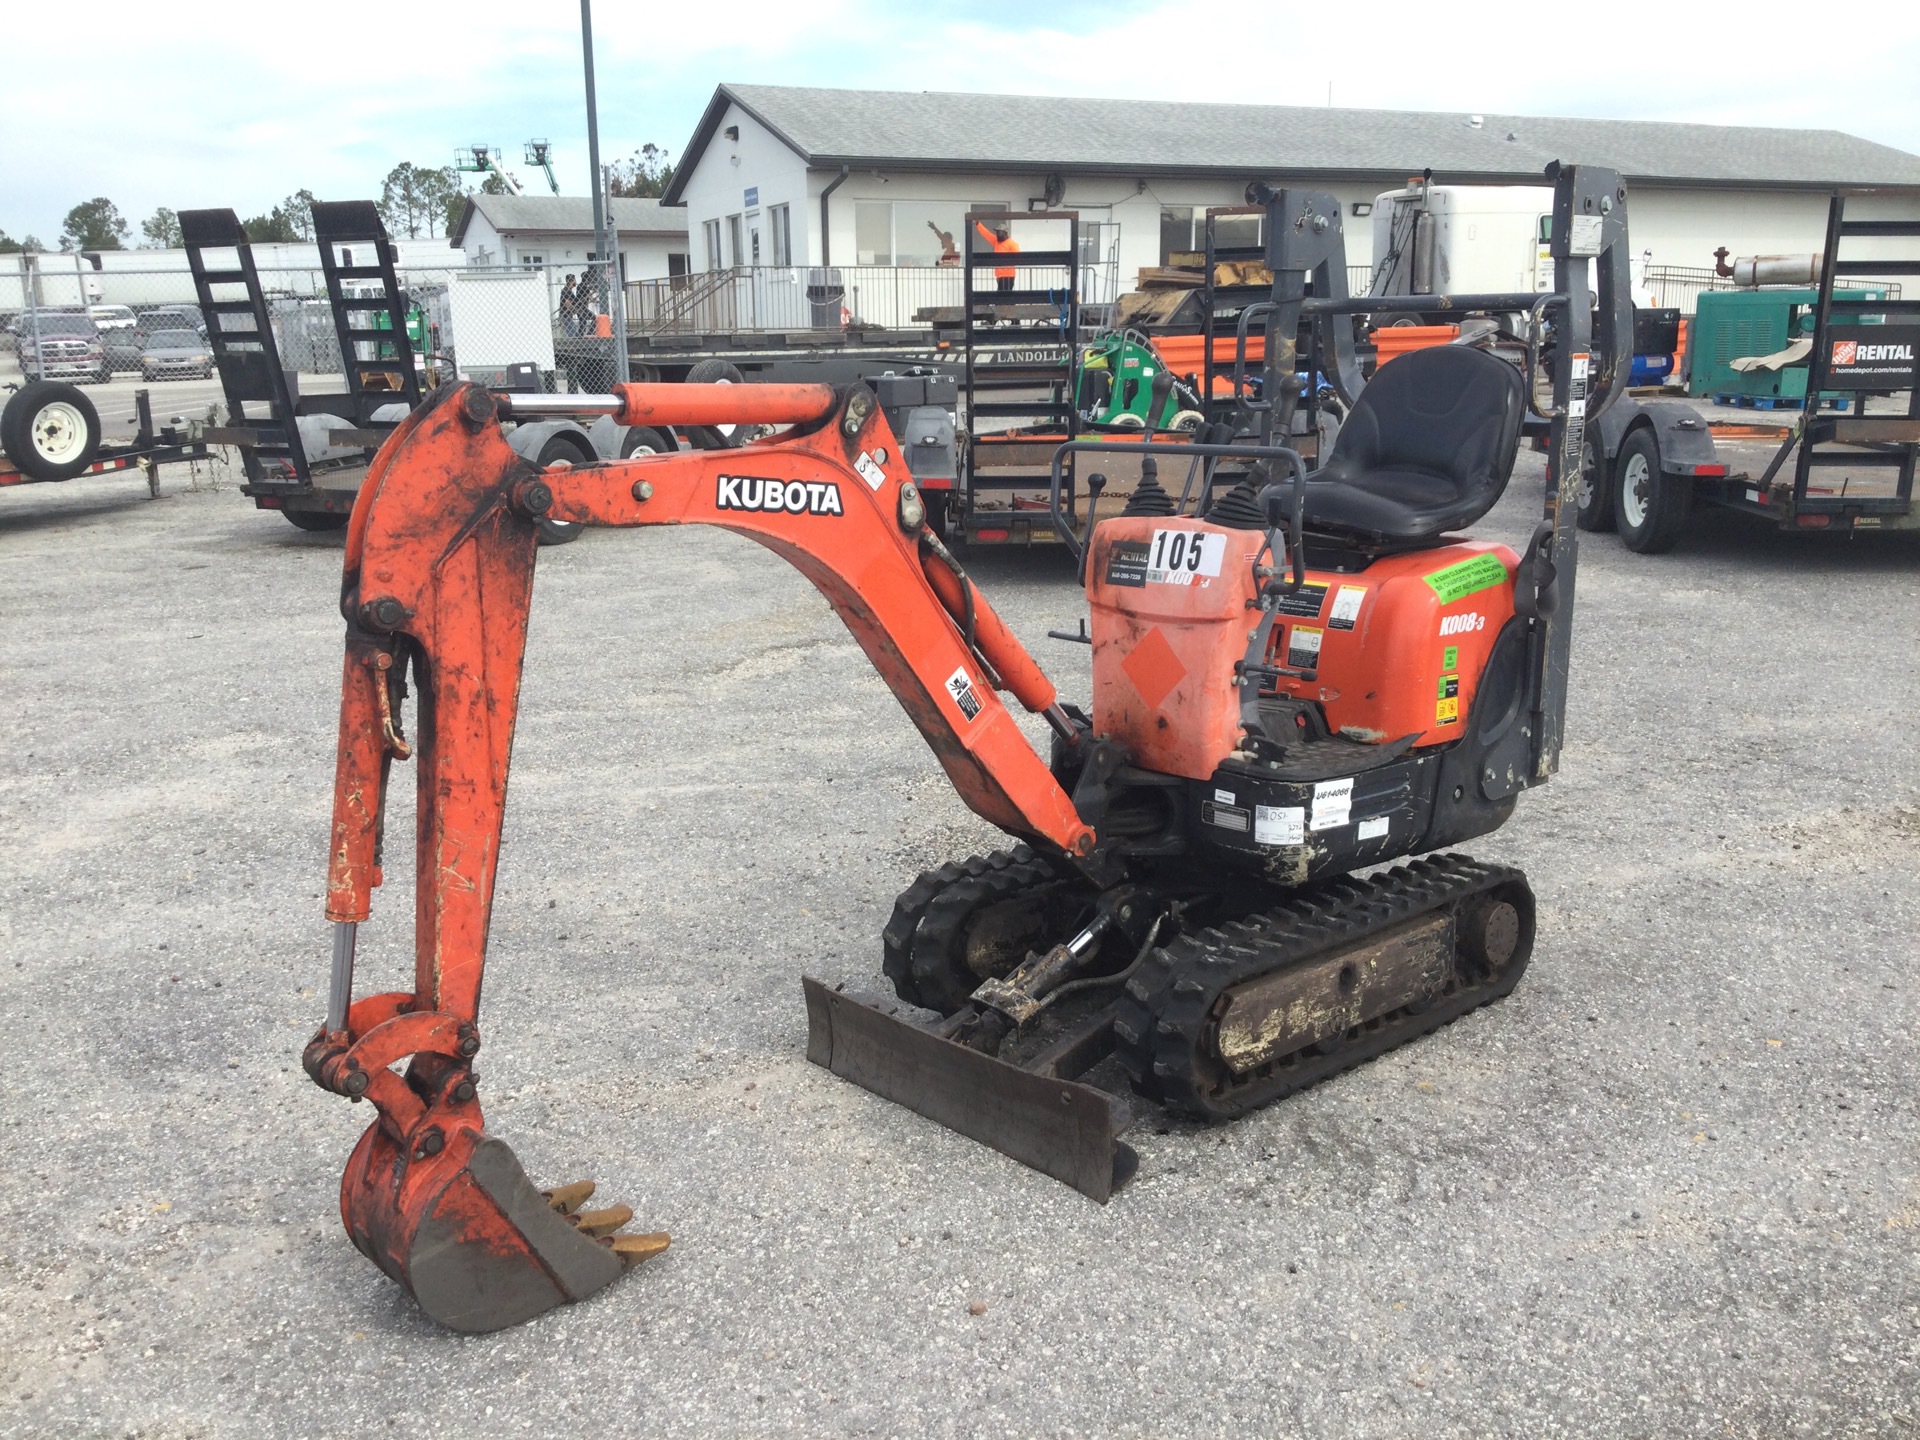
1446	712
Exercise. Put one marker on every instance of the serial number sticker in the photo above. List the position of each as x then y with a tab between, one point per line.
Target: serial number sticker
1178	557
1279	824
1446	712
1227	817
1303	647
1225	797
869	471
1468	577
1373	829
1346	606
1332	804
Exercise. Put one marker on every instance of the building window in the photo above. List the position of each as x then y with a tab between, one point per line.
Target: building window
913	232
735	247
780	218
711	230
873	232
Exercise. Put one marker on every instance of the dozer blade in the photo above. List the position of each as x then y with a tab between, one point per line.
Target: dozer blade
470	1237
1061	1127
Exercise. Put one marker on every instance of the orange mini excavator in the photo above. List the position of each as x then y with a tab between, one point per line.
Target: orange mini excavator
1296	676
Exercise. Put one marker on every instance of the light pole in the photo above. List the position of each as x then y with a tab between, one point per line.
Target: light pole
598	180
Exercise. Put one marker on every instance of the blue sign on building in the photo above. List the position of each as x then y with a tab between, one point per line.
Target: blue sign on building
753	195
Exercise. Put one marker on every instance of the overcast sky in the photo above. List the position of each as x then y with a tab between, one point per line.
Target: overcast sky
190	103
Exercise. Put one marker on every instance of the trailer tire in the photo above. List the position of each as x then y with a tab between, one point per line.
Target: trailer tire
1186	422
1650	507
319	522
642	441
715	371
1596	490
50	430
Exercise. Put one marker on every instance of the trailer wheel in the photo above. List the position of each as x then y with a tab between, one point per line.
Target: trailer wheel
317	521
1596	490
560	532
645	442
1650	508
50	430
716	371
1185	422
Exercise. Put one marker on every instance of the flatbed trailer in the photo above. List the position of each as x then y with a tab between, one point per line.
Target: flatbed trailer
50	432
1649	460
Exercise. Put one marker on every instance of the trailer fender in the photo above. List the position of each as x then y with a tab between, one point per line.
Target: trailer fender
530	439
1685	439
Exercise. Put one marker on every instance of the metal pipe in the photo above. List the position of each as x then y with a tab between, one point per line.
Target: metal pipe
826	233
661	404
340	989
1136	447
657	404
593	132
1425	304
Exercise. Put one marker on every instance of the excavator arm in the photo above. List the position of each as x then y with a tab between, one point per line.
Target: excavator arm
438	578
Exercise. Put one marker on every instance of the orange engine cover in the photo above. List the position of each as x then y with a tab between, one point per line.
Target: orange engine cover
1397	649
1170	602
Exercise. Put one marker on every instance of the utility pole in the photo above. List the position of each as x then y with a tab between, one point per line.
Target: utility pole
593	134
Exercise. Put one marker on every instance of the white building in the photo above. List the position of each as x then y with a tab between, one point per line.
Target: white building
557	230
780	176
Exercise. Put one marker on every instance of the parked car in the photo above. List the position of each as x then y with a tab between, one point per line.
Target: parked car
57	343
111	317
124	349
175	355
173	317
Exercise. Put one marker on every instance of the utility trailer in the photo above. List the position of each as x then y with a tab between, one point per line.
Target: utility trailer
1649	461
50	431
306	455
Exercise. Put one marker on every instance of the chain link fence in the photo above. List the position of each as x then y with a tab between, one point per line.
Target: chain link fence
515	327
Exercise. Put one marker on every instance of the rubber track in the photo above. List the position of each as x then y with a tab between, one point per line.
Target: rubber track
896	939
940	971
1163	1024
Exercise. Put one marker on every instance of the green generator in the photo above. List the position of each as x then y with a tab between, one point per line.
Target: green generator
1731	324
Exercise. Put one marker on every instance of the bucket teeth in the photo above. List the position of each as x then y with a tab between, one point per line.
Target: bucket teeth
603	1222
569	1198
632	1249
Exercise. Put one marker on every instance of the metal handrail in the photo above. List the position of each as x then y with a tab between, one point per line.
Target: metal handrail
1065	530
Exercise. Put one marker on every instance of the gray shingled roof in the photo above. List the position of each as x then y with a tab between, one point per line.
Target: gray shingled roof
939	130
520	214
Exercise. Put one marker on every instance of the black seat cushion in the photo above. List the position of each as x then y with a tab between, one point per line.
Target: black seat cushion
1427	450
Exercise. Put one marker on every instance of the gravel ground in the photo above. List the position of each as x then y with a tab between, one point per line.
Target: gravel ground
1670	1187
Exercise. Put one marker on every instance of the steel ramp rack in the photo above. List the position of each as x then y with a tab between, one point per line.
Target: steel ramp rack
240	334
1847	331
372	327
1001	361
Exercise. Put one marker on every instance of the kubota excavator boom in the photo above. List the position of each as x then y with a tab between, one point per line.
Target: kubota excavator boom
1311	675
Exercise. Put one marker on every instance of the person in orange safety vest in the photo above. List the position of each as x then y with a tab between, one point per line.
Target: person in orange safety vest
1003	244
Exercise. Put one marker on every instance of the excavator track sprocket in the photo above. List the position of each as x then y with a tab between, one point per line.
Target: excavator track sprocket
981	926
1227	1019
930	894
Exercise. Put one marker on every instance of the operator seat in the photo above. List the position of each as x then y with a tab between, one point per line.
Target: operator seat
1427	450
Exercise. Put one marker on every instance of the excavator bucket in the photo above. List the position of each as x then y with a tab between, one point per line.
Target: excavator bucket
1060	1127
470	1237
